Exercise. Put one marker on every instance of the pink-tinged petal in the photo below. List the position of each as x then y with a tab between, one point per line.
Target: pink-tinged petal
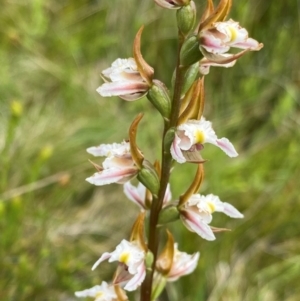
137	279
176	151
226	146
121	88
114	149
134	96
185	269
112	175
129	76
232	211
121	276
222	58
250	44
168	195
212	44
195	224
133	194
103	257
122	162
205	66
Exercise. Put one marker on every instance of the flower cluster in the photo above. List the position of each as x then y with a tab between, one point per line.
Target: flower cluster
142	262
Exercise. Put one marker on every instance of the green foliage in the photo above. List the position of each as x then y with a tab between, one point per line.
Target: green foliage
54	225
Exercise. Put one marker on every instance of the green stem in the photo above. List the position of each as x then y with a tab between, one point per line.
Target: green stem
153	239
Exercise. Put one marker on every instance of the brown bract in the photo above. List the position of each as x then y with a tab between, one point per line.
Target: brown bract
144	68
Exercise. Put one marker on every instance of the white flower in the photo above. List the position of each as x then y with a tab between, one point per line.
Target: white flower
191	136
197	213
183	264
123	79
218	39
131	263
103	292
118	167
138	195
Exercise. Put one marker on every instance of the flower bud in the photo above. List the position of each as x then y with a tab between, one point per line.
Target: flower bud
169	138
189	77
186	16
158	95
168	214
190	52
149	178
149	259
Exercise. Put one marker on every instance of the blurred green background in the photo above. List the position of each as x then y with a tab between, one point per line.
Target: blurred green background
54	225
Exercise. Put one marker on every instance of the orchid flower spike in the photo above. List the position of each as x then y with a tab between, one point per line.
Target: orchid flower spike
183	264
191	136
131	271
137	194
216	41
123	79
118	167
196	213
103	292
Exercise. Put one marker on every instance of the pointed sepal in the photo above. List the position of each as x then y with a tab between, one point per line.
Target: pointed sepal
218	15
145	70
165	259
136	154
137	232
195	100
193	189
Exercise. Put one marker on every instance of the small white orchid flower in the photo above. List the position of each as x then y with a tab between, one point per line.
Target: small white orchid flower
137	194
217	40
197	213
103	292
191	136
132	270
183	264
118	167
123	79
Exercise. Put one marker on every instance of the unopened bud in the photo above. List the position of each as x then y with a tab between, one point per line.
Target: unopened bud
149	259
189	77
190	52
149	177
168	215
186	16
169	138
159	96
